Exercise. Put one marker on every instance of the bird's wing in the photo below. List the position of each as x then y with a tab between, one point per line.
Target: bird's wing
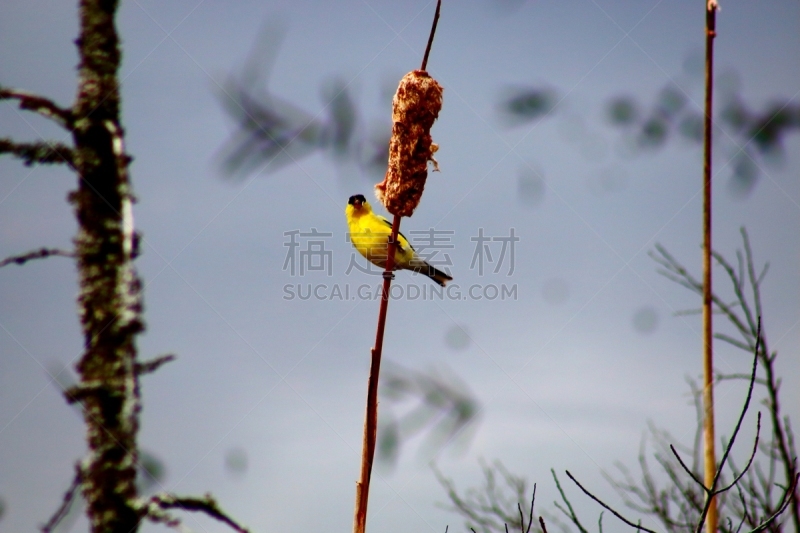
386	221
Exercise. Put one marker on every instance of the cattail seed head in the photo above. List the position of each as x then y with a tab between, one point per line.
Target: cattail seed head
415	107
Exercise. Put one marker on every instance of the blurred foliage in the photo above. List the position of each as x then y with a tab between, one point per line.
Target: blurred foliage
493	506
415	404
622	111
236	461
500	504
525	104
457	338
152	472
750	138
271	132
645	320
531	186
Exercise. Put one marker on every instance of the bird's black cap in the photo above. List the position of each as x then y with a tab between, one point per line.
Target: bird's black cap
356	197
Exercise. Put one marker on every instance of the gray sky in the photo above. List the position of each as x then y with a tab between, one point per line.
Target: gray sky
568	373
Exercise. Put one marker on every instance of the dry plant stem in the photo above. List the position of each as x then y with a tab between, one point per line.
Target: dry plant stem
710	464
371	418
404	173
430	37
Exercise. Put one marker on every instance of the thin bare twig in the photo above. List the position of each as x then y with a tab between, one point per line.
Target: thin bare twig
749	461
66	503
785	501
686	468
607	507
152	365
571	515
541	523
41	253
530	515
711	490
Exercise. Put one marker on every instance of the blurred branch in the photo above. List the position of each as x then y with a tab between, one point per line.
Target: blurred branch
571	514
273	132
69	497
488	507
154	364
442	407
38	152
38	104
153	510
41	253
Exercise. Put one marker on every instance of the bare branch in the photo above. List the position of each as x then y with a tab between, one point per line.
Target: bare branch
735	377
787	498
572	516
522	516
749	462
733	342
38	104
541	523
711	491
41	253
686	468
638	526
69	497
152	365
530	516
755	281
38	152
206	505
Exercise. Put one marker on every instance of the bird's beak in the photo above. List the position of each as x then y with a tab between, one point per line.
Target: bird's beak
357	204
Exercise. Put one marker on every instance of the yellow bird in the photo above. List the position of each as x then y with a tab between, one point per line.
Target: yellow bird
370	235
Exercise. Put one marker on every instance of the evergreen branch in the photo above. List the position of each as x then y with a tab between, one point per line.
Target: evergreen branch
45	153
206	504
41	253
38	104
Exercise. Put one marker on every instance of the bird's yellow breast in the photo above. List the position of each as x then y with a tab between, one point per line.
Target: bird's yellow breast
370	234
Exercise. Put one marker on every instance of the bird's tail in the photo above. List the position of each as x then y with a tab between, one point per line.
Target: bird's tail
432	272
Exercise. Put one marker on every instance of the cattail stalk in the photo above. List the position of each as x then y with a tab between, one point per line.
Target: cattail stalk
416	105
709	454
